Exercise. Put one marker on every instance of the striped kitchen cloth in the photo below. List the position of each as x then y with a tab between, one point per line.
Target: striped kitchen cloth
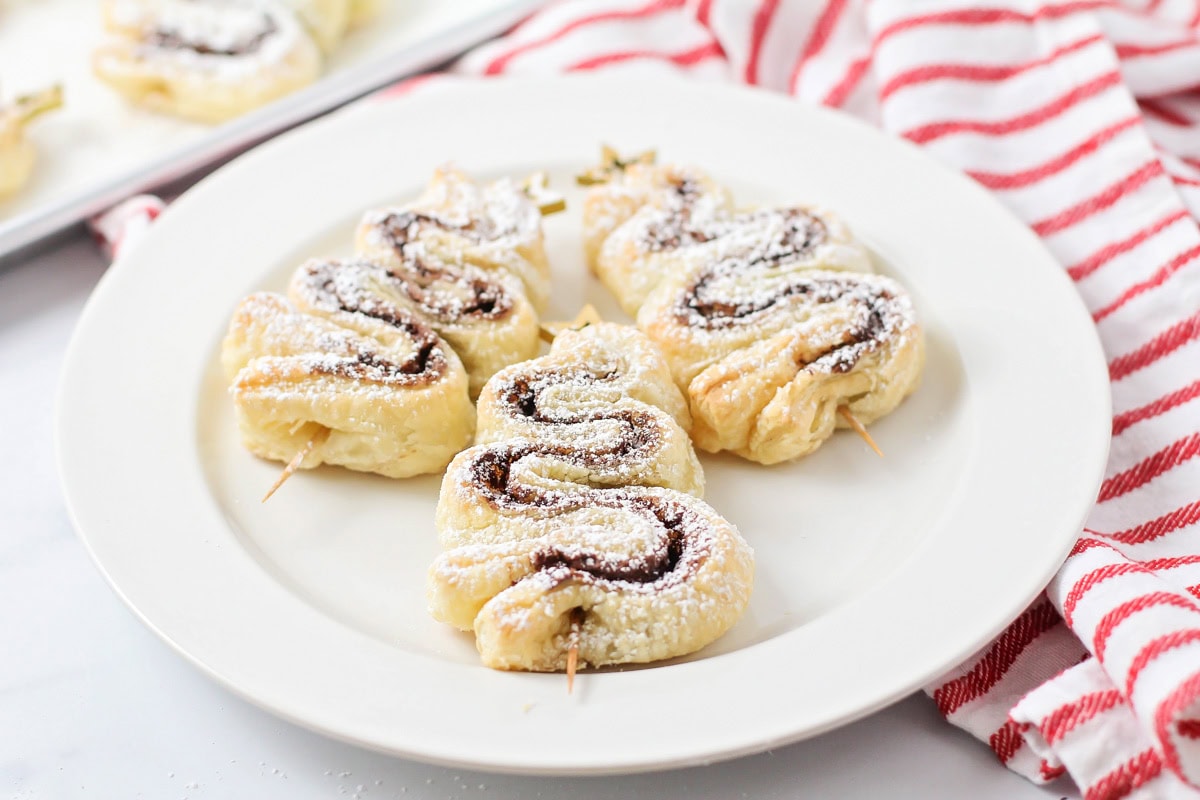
1084	118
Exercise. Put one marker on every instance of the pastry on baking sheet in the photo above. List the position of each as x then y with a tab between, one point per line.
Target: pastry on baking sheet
329	20
363	11
17	153
326	20
575	521
206	61
376	392
772	325
495	226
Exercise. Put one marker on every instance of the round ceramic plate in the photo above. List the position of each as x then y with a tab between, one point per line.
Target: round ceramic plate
874	575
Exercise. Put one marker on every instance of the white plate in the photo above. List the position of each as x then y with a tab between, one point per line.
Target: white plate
98	149
874	575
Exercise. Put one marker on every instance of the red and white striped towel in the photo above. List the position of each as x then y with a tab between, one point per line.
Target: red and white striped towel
1084	117
1078	115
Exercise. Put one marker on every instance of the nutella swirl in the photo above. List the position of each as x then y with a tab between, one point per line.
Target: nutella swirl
175	38
440	286
637	438
673	559
679	549
670	220
483	317
768	356
335	289
872	312
425	366
442	293
464	257
400	229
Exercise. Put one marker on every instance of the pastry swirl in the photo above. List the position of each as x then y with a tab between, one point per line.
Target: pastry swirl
580	502
768	356
484	316
380	360
392	395
669	218
206	61
329	20
769	318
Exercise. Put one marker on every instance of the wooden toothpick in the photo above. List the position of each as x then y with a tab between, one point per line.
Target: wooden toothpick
860	429
573	647
537	186
315	440
588	315
610	162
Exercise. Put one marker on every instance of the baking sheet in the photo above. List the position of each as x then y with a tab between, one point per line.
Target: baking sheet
97	149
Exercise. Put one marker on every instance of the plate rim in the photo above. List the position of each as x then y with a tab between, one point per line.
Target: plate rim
84	517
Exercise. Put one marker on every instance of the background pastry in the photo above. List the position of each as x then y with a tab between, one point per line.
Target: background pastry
17	154
207	61
362	12
329	20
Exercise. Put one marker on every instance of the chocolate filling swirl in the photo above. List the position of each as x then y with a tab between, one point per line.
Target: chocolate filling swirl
324	287
402	228
424	367
448	292
169	38
874	310
442	293
676	553
677	226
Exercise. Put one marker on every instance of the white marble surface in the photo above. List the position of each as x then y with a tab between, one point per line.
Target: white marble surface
93	705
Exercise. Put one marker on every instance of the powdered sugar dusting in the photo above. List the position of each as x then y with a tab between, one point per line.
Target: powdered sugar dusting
499	213
344	389
496	227
843	316
288	344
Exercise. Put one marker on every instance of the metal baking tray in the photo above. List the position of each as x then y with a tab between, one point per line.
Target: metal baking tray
97	150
